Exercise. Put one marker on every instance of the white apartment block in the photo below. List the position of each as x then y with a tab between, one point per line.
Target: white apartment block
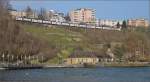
55	16
106	22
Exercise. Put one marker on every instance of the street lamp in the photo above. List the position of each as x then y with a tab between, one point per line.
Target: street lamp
3	56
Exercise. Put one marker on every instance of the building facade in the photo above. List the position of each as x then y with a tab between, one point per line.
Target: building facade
138	23
85	15
55	16
106	22
15	13
33	14
79	57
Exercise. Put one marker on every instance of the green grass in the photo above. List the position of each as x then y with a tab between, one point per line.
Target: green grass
58	36
65	40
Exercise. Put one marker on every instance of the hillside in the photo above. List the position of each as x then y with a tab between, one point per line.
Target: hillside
16	44
60	38
68	39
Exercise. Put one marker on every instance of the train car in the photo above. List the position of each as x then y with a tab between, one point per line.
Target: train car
77	25
71	24
90	26
45	21
99	27
49	22
27	19
58	23
34	20
19	18
118	29
67	24
54	23
39	21
107	28
93	26
82	26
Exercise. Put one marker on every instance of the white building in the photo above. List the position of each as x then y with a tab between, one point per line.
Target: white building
34	14
15	13
106	22
55	16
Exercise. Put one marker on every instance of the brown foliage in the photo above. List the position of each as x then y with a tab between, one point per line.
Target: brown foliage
15	41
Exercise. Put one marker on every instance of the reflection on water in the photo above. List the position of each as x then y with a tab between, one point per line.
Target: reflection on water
141	74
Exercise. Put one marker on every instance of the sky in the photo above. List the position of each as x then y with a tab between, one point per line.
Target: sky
105	9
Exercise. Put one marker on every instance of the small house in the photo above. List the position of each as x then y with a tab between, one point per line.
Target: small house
105	58
82	57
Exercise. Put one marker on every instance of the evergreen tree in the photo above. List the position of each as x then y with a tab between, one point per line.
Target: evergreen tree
124	25
67	17
119	52
118	25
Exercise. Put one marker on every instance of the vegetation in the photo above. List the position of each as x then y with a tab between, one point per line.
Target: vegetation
119	52
56	43
124	25
118	25
29	11
16	43
67	17
124	44
42	14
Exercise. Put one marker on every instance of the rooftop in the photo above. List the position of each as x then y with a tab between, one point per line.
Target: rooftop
78	54
87	54
84	9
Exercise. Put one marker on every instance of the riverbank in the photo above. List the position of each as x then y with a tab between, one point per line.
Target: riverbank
124	64
102	64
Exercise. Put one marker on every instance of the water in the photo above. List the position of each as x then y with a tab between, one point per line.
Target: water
141	74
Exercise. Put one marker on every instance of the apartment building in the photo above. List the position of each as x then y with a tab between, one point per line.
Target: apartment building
56	16
33	14
15	13
85	15
138	22
107	22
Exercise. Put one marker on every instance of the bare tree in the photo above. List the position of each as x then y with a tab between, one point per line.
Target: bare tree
67	17
118	25
42	14
14	41
29	11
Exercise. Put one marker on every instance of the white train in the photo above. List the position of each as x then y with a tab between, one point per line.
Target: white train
63	23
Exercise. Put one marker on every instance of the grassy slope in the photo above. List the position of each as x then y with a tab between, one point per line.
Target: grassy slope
56	36
63	39
66	40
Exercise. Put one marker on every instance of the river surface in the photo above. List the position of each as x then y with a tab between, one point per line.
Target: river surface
104	74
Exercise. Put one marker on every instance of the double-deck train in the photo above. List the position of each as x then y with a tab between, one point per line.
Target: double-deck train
63	23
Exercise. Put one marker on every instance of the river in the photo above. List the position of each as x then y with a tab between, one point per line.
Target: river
104	74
